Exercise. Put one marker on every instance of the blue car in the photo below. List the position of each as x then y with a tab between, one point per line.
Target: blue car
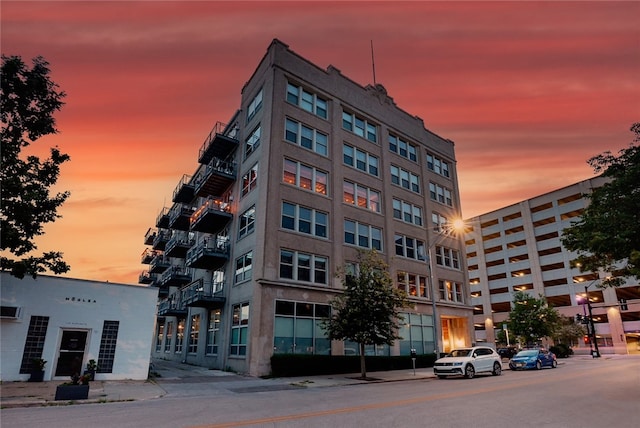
533	359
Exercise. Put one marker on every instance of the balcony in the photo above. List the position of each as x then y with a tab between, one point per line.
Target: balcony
204	294
147	256
161	239
178	247
211	217
179	216
163	218
159	264
215	178
221	142
172	306
146	277
209	255
150	236
175	276
184	191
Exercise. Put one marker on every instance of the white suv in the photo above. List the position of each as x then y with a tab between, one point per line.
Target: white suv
469	361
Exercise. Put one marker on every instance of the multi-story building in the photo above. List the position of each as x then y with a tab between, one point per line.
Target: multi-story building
518	248
312	168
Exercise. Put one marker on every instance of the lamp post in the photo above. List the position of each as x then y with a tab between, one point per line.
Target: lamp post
592	327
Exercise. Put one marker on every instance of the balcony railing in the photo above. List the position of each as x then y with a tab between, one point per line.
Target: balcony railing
161	239
215	178
209	254
175	276
211	217
204	294
150	236
148	255
173	305
221	142
159	264
146	277
179	216
184	191
163	218
178	247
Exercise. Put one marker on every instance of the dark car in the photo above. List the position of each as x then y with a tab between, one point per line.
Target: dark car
507	352
533	359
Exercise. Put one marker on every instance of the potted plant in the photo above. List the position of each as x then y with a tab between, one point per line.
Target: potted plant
77	389
37	370
92	367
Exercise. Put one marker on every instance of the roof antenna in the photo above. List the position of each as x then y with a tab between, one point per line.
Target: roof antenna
373	64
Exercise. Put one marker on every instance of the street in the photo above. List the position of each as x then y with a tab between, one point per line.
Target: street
579	393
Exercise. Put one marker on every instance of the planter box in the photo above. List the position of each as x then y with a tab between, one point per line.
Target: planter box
36	376
72	392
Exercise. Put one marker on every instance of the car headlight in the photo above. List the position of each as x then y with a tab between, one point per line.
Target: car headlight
457	364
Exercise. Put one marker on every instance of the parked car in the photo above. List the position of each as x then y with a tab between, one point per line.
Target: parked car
468	362
533	359
507	352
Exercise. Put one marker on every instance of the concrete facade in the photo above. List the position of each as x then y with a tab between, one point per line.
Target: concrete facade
319	167
69	321
518	248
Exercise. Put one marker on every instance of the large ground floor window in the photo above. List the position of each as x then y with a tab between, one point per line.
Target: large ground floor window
239	330
298	328
417	333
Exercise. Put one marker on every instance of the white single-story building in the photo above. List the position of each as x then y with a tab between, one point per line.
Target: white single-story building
68	322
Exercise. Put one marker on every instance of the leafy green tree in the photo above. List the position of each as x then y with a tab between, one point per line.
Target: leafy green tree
607	236
367	312
532	318
29	99
568	331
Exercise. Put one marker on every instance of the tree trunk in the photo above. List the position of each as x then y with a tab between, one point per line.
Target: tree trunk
363	368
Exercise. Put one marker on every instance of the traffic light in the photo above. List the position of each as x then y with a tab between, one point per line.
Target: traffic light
578	318
586	339
623	305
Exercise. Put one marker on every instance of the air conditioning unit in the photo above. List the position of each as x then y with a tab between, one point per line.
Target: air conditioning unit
10	312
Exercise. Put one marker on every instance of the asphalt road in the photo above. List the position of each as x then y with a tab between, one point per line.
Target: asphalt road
579	393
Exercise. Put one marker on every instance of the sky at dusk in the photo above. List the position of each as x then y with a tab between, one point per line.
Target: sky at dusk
528	91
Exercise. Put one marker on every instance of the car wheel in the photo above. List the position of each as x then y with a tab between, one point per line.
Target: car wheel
441	376
497	369
538	365
469	371
554	364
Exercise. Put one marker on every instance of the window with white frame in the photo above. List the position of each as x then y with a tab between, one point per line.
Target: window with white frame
159	336
450	291
447	257
307	137
409	247
194	333
303	267
250	180
254	106
440	194
305	177
252	143
404	178
213	332
247	222
305	220
169	338
361	196
439	222
403	148
298	328
244	267
407	212
307	100
362	235
437	165
414	285
239	330
360	126
360	159
179	336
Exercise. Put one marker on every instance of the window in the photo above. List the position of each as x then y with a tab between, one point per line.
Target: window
439	222
252	143
254	106
307	137
406	179
409	247
359	159
414	285
34	344
306	100
194	333
247	222
239	330
440	194
243	267
167	342
360	126
362	235
450	291
417	333
304	220
213	332
401	147
305	177
179	337
447	257
298	329
159	336
250	180
303	267
407	212
108	342
361	196
437	165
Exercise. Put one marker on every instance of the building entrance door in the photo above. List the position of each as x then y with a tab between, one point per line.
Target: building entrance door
71	352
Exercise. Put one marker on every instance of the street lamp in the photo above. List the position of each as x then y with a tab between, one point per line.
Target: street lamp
593	341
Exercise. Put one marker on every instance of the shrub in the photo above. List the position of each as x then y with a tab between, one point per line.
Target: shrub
561	350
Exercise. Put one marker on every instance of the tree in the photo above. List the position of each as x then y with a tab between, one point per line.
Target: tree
532	318
367	312
29	99
607	236
568	331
